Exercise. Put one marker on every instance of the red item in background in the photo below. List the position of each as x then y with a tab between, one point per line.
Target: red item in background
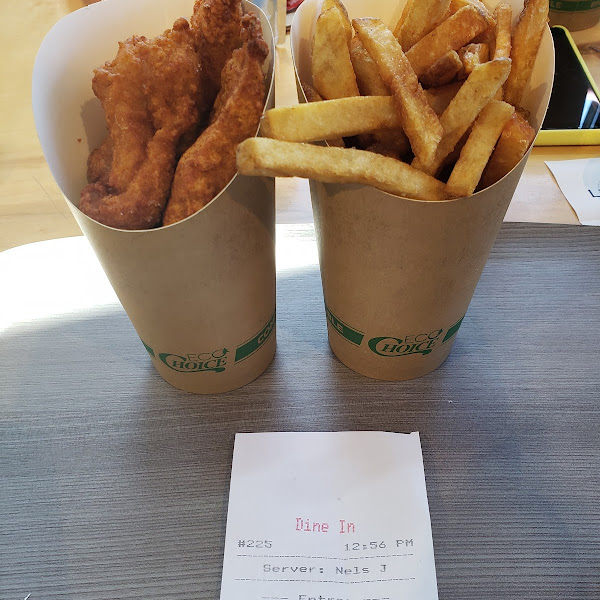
293	4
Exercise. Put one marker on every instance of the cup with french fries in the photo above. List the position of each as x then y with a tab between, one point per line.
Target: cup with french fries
414	125
196	279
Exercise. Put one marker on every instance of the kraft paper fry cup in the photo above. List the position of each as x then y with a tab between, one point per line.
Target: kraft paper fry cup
398	274
200	293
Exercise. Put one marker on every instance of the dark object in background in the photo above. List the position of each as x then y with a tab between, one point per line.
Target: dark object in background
573	116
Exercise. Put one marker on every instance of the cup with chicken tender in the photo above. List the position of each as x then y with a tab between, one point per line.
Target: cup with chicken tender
414	125
139	126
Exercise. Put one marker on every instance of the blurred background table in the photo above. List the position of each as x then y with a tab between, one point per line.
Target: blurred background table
32	207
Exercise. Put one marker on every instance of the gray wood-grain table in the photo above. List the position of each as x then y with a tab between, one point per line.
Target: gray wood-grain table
114	485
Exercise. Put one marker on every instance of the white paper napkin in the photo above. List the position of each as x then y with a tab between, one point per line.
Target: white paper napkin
579	181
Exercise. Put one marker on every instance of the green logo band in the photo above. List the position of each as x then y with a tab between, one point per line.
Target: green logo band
581	6
353	336
253	344
452	331
148	349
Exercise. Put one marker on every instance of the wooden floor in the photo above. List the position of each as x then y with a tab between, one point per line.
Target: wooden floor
32	207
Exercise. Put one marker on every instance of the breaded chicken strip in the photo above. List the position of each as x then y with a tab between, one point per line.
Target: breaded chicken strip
149	94
217	29
208	166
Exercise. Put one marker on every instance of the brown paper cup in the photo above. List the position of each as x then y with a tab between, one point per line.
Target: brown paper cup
200	293
398	274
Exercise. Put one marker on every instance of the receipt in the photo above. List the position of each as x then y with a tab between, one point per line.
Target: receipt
328	516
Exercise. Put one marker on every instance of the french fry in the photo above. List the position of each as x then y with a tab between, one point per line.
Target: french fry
341	117
274	158
479	146
313	96
422	17
456	5
516	138
327	4
477	90
503	16
419	122
451	34
370	84
526	41
366	70
332	71
402	19
443	70
472	55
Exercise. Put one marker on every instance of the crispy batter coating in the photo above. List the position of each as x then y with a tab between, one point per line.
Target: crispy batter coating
206	168
149	94
100	162
217	29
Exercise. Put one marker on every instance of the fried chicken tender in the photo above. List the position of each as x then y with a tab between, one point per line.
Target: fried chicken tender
217	29
208	166
150	96
100	162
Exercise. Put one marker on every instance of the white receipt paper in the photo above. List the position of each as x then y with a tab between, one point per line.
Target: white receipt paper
328	516
579	181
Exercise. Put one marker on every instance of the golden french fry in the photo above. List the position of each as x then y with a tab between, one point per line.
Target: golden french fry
332	71
405	11
327	4
514	142
472	55
370	84
421	18
341	117
477	90
366	70
479	146
526	40
503	16
313	96
443	70
451	34
419	122
274	158
456	5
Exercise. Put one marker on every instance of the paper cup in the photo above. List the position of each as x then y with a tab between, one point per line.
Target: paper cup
398	274
200	293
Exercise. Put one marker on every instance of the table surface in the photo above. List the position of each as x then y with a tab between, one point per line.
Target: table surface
32	207
114	484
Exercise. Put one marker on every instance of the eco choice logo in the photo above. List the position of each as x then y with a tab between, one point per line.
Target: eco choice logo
194	363
421	343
